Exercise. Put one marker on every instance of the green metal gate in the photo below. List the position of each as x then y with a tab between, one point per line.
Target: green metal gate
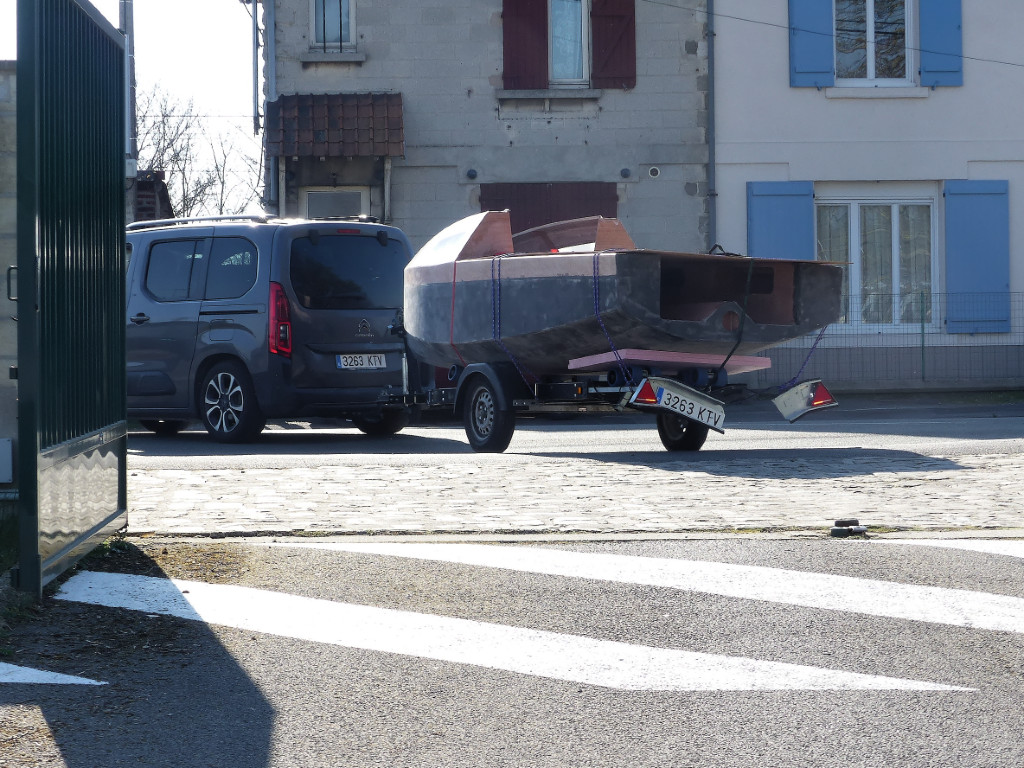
71	392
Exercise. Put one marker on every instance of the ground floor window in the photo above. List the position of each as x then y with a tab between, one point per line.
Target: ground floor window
336	202
888	247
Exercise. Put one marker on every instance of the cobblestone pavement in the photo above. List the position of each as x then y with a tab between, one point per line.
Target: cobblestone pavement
540	488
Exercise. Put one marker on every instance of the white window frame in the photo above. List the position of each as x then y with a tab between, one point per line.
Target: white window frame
910	58
346	45
900	194
364	197
585	36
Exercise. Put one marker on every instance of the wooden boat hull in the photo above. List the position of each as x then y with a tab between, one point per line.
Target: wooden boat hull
473	299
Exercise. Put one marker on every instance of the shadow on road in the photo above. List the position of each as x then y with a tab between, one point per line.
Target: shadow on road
174	695
786	463
293	442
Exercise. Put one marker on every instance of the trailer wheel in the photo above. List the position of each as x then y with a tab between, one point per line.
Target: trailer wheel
489	427
678	433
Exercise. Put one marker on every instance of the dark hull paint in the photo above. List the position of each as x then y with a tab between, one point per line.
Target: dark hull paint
657	301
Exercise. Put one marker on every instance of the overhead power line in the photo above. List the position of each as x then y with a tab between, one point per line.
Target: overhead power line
786	27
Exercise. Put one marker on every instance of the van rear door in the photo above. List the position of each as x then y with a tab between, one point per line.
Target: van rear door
345	287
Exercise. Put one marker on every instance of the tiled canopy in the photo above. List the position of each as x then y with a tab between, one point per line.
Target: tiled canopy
336	125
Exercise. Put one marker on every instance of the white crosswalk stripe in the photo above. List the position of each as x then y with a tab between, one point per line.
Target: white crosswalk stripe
10	673
954	607
1007	547
514	649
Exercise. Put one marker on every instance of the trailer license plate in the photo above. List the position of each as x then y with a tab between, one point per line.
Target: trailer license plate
693	405
362	361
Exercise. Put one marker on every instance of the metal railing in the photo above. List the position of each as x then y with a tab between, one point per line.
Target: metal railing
922	341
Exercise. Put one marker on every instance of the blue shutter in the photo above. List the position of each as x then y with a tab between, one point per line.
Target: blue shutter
977	256
811	44
942	61
780	219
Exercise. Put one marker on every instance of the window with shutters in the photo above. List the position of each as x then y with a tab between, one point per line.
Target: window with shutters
886	236
875	43
565	44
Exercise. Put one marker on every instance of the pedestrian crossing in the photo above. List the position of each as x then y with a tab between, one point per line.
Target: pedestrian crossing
530	652
563	656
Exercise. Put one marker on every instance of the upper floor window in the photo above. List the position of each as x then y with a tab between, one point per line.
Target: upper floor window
333	22
875	42
569	43
871	40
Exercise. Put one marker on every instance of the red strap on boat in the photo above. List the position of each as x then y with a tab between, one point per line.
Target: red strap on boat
451	325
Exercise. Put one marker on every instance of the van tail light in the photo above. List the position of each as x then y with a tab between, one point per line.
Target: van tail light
280	322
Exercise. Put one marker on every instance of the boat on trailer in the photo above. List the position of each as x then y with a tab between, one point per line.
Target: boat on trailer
573	317
564	296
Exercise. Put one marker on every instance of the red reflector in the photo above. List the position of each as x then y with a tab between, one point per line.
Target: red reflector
821	396
646	395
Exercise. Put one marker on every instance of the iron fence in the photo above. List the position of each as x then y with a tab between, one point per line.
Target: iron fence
922	341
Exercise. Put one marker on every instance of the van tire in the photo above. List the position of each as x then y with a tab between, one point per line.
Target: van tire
163	427
227	404
386	423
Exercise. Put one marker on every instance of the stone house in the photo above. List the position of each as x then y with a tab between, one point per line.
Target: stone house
423	113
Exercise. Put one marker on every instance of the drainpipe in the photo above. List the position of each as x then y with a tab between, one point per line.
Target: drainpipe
275	165
386	218
712	191
255	72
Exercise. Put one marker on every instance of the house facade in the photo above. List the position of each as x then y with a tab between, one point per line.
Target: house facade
423	113
882	134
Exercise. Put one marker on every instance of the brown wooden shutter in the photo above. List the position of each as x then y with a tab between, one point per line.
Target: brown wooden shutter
525	37
531	205
613	32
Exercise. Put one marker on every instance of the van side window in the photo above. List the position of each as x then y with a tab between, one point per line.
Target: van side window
174	270
232	269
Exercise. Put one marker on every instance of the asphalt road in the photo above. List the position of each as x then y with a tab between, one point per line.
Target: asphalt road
730	651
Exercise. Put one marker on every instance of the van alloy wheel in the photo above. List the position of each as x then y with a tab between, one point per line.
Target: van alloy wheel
227	404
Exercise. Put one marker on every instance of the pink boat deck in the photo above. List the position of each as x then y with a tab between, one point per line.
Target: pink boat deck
669	362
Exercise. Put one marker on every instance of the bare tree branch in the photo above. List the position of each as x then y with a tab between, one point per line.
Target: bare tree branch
205	173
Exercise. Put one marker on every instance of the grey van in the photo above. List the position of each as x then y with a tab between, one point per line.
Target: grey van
234	321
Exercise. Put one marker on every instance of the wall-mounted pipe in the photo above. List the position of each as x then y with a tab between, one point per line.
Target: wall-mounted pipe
712	175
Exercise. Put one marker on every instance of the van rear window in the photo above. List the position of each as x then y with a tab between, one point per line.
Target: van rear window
348	272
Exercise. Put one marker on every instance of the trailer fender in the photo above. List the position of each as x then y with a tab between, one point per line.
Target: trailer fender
504	378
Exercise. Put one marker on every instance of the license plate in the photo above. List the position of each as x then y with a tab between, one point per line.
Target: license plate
362	361
690	403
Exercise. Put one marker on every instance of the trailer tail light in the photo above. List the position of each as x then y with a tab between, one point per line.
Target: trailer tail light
280	322
820	396
804	398
646	395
